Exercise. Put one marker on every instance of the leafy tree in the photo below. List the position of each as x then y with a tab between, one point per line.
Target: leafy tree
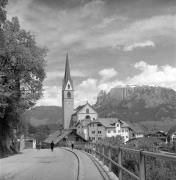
3	3
23	66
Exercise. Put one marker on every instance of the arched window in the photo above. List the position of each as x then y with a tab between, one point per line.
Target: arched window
68	86
87	111
68	94
87	117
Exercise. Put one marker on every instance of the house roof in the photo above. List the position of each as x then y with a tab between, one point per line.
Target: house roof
53	137
58	136
106	122
79	108
110	123
124	124
172	131
135	127
84	122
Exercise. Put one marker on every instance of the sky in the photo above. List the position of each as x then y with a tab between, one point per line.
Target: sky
110	43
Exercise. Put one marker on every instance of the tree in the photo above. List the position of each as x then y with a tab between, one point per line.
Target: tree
23	66
3	3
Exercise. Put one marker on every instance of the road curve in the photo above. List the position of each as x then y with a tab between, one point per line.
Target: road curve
40	165
88	170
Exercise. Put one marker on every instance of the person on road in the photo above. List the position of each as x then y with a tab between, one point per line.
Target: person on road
72	145
52	146
40	145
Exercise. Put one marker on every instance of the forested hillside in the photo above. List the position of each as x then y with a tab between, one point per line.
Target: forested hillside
43	115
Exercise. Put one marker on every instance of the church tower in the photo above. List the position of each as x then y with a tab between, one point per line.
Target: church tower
67	96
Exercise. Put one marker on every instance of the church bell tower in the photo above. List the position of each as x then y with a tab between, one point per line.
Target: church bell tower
67	96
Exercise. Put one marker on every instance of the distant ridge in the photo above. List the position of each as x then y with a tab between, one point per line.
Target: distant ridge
43	115
138	103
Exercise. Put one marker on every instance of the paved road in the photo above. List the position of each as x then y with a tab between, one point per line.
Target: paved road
88	170
39	165
47	165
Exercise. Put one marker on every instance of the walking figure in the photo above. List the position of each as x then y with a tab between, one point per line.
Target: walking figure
72	145
40	145
52	146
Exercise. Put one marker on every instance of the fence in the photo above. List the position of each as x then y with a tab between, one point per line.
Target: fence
104	153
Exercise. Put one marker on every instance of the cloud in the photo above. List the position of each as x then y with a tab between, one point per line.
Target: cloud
62	4
139	45
107	73
86	91
96	33
154	75
156	28
56	74
51	96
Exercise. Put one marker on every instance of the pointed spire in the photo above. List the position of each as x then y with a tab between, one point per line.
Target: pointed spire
67	76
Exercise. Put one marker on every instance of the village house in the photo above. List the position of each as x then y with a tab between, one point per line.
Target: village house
82	128
108	127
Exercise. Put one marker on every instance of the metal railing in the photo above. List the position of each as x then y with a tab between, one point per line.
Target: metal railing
99	151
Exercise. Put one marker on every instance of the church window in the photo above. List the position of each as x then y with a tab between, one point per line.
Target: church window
68	94
87	117
87	111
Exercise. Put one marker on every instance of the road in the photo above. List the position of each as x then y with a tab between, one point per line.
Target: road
46	165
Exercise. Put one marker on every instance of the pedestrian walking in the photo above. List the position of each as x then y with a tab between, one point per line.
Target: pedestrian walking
40	145
72	145
52	146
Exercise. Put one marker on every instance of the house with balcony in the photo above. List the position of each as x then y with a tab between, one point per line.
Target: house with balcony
107	127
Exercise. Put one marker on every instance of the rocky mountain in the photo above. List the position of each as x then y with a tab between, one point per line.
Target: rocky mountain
139	103
43	115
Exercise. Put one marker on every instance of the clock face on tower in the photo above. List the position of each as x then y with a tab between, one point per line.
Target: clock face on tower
68	94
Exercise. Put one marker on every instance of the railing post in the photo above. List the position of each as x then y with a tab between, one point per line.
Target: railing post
141	166
109	156
98	155
120	163
96	149
90	149
99	150
103	153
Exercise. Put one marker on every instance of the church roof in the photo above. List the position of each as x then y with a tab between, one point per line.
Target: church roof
67	76
79	108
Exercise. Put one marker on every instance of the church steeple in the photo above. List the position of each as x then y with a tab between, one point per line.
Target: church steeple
67	76
67	96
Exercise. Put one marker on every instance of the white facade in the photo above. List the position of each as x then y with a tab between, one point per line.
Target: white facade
87	112
173	137
119	130
96	131
82	129
139	135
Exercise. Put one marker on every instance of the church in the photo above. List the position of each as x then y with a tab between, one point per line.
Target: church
70	115
83	124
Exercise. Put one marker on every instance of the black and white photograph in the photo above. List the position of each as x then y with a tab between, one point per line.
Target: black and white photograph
87	89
